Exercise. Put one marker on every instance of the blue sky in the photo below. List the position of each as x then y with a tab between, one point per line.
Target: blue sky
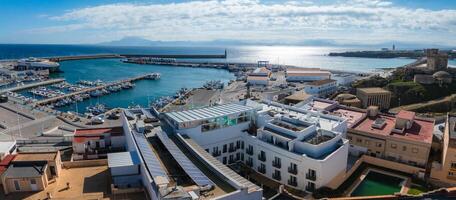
286	21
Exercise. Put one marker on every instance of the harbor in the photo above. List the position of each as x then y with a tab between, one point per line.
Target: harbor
98	89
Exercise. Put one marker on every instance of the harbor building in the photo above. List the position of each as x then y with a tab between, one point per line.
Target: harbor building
29	172
321	88
258	80
260	76
306	74
443	171
262	71
174	166
300	149
402	138
374	97
37	64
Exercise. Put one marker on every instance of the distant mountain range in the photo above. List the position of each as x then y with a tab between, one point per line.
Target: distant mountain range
139	41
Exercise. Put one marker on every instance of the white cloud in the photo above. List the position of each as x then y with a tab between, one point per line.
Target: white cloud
253	19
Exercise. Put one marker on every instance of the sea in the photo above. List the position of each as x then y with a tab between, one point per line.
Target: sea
175	78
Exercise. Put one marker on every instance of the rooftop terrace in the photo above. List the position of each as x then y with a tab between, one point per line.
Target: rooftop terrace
421	130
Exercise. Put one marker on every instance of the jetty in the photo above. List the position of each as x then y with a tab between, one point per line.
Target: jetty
87	90
102	56
33	85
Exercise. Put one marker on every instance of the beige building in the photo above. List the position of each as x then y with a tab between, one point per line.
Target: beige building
374	97
401	138
444	171
31	172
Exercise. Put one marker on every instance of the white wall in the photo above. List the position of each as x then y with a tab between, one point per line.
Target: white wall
215	136
124	170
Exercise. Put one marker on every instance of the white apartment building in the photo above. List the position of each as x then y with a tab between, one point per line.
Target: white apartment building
301	149
306	74
150	144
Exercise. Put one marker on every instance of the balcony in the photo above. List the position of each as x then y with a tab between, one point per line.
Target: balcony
276	164
311	177
292	170
276	176
216	154
249	151
249	163
262	158
292	183
310	188
262	170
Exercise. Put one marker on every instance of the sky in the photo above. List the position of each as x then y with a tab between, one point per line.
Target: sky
286	21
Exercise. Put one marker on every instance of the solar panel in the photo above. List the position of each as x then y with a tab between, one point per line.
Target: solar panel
150	159
195	173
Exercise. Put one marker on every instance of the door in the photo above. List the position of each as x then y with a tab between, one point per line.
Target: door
33	185
52	168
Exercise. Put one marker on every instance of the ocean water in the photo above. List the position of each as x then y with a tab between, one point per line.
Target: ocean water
290	55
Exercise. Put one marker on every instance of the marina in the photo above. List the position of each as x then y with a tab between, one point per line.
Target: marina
99	89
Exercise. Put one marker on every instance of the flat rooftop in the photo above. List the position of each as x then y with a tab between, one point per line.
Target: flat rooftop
321	82
207	112
351	116
373	90
35	156
327	122
421	130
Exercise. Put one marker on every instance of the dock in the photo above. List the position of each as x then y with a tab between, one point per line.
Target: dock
33	85
54	99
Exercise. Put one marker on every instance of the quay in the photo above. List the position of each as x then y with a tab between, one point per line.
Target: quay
83	57
54	99
32	85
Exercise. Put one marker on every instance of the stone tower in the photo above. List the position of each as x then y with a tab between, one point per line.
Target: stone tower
436	60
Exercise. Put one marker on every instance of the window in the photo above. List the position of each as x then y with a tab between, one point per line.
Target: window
33	181
393	146
415	150
276	175
238	156
359	140
453	165
293	169
242	144
276	163
378	144
224	160
238	144
311	175
242	157
450	173
310	186
293	181
404	148
224	148
16	185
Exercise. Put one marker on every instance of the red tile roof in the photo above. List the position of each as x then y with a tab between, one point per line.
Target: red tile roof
83	139
7	160
98	131
408	115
